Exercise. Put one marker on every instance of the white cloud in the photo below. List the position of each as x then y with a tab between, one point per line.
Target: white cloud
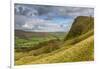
41	25
27	26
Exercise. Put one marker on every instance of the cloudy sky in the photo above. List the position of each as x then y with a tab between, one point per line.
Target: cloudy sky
44	18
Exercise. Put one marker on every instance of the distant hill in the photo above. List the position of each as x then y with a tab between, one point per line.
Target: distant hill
26	34
81	25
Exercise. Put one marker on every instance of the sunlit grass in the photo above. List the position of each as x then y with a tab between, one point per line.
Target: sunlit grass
69	52
82	51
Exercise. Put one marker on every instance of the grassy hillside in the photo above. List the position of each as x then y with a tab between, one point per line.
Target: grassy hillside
78	46
81	25
81	51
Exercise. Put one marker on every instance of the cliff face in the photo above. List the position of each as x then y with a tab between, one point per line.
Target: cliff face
81	25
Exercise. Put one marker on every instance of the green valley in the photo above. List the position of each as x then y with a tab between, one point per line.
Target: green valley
56	47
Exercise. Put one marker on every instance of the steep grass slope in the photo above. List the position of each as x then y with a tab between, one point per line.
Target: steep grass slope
69	52
82	51
81	25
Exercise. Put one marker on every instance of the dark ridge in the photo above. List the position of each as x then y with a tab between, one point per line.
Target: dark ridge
81	25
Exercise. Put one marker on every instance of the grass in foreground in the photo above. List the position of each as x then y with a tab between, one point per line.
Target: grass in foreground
81	51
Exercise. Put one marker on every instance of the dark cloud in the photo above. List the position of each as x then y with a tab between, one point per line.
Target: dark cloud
53	10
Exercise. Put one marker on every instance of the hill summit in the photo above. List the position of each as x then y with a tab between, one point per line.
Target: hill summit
81	25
